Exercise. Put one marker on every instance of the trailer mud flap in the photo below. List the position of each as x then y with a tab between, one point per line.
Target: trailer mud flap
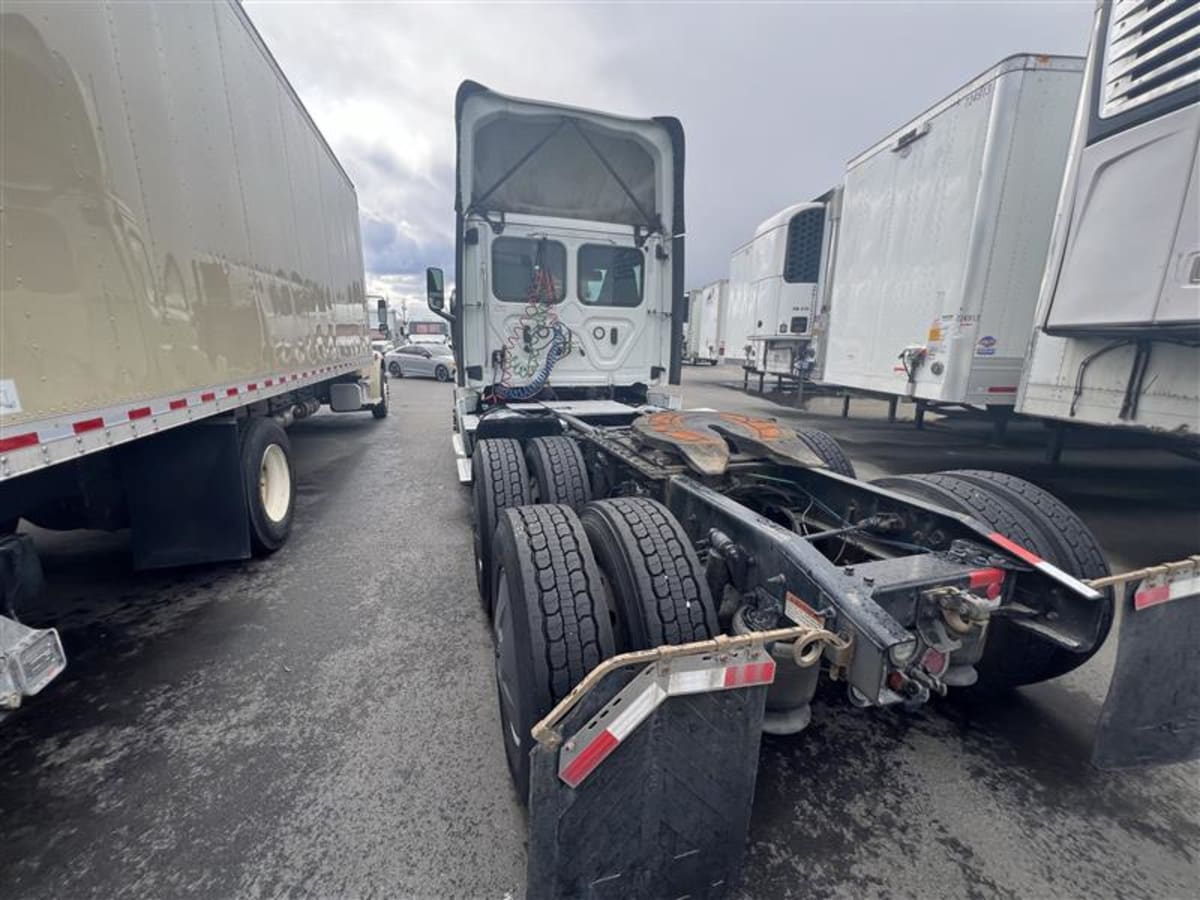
1151	715
659	810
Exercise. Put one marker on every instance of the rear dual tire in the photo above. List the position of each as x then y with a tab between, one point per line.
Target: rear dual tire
572	590
658	591
557	471
1040	522
551	624
830	452
499	481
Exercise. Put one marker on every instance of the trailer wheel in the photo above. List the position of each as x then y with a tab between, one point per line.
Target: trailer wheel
380	409
829	450
551	624
1040	522
499	480
656	585
270	485
558	471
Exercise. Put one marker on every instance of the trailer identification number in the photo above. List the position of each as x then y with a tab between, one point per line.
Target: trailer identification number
801	613
10	400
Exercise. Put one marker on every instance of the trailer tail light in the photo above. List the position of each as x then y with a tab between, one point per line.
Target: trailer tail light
583	752
991	580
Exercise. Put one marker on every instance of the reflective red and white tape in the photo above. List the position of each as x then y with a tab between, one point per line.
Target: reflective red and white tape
164	412
593	743
1043	566
1148	595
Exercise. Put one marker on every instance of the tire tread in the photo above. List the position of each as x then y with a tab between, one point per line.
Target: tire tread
676	604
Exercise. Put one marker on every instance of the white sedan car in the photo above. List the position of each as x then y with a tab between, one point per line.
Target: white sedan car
421	361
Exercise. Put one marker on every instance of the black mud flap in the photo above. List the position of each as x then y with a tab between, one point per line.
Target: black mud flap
1152	713
664	815
187	499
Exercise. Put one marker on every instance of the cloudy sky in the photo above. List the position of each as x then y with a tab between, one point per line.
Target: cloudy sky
774	98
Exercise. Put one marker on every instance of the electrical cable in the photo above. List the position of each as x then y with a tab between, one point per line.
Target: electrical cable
539	322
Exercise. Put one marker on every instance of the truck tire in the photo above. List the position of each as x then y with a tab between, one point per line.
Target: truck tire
558	471
269	482
380	409
654	579
829	450
499	480
551	625
1039	522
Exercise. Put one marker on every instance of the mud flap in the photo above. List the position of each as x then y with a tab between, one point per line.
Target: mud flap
1151	715
664	815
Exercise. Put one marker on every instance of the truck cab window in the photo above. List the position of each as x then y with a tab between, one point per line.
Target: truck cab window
515	262
610	276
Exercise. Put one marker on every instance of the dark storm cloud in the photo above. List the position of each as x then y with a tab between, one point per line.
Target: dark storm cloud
774	98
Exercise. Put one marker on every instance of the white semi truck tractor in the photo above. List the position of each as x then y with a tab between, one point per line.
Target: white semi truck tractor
182	279
1117	336
663	585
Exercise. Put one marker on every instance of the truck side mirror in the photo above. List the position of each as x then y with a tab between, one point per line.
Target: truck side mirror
435	285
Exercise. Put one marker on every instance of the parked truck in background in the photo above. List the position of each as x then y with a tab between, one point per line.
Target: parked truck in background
1117	332
704	333
663	585
182	278
423	328
942	240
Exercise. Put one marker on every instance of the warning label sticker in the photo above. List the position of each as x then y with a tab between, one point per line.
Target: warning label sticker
801	613
10	400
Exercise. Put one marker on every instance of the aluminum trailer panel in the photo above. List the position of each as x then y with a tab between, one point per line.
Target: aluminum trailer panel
178	237
943	237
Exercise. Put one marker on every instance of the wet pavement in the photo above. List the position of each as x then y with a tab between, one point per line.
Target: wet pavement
322	723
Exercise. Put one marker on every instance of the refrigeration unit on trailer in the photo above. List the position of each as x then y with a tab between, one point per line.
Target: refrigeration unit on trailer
182	279
1117	341
665	585
704	340
773	291
944	229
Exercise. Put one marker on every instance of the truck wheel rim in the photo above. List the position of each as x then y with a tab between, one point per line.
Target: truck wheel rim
505	663
275	483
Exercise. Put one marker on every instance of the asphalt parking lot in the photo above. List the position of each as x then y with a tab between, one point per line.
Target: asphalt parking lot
322	723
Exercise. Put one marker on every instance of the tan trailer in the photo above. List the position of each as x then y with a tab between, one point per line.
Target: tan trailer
182	278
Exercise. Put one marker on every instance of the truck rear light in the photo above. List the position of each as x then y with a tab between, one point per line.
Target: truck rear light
934	661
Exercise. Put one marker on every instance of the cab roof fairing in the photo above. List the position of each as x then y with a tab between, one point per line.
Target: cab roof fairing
613	169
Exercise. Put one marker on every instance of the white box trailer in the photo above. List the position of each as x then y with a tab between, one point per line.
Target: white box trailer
943	236
704	333
773	290
182	278
1117	341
